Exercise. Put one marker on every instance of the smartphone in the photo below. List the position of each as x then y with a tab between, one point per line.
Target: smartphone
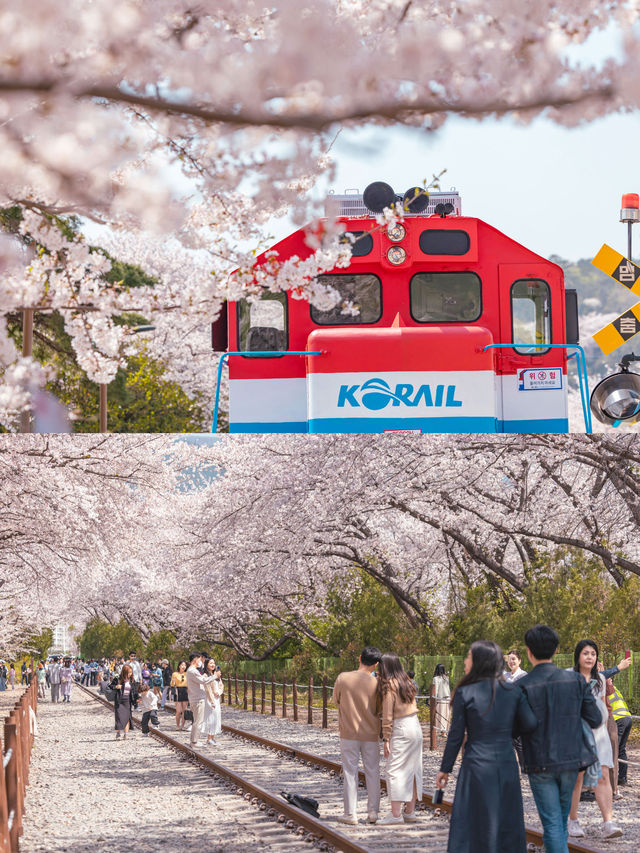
627	654
436	799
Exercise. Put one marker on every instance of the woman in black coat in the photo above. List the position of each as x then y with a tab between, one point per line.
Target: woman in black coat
126	698
487	807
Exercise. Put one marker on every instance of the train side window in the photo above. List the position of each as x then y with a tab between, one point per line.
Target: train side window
362	242
530	316
445	297
362	290
440	241
262	325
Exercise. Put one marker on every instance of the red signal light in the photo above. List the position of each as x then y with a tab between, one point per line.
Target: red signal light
630	200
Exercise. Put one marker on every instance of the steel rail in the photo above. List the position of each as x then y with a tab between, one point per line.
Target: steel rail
533	835
316	827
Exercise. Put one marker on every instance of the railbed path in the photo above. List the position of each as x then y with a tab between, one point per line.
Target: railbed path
90	793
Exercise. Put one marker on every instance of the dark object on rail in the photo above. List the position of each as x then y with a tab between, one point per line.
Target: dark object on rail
307	804
587	797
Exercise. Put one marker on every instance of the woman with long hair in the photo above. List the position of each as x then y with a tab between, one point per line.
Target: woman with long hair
179	683
126	699
487	807
585	661
212	721
402	735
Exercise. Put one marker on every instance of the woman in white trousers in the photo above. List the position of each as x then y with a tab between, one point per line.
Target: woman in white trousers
402	735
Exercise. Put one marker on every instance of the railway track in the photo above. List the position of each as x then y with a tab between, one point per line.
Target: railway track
258	768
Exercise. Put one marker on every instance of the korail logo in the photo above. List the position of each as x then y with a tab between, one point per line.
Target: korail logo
375	394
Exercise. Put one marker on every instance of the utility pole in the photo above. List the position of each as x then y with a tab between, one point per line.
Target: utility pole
27	350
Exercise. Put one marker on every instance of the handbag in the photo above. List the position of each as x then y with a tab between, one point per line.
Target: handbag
306	804
188	715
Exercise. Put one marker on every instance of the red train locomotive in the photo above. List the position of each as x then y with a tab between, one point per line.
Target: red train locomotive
459	329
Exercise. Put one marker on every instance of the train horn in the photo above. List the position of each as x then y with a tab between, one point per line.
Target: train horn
378	195
415	200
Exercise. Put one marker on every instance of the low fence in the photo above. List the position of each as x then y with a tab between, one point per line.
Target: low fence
253	694
627	682
16	755
258	694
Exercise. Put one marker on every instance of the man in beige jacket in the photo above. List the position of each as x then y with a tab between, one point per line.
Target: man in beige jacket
355	695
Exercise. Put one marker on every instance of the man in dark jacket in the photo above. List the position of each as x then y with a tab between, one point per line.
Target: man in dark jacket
556	750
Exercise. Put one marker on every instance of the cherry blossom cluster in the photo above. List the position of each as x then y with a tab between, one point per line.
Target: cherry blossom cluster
211	538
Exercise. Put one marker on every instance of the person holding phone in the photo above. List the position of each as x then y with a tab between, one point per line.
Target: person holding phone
585	658
487	809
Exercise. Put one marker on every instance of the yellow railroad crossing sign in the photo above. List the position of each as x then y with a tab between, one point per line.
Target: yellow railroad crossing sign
626	273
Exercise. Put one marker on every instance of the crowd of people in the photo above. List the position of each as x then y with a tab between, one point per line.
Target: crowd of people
560	727
196	688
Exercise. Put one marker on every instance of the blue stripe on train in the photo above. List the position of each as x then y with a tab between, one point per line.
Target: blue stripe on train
375	425
425	424
535	425
287	426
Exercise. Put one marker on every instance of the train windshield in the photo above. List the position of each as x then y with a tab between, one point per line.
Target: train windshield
531	315
446	297
360	302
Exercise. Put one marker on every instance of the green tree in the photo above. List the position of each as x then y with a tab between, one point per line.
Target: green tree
101	639
41	642
140	399
567	591
161	644
363	613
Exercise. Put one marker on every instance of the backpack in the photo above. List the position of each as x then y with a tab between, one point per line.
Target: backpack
306	804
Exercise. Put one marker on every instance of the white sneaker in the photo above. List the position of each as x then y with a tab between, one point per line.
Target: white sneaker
349	819
575	829
390	820
611	830
410	817
372	817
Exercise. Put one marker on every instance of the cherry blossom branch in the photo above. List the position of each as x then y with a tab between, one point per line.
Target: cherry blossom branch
397	110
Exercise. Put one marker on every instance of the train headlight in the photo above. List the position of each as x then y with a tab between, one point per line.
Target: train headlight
396	255
616	399
396	232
